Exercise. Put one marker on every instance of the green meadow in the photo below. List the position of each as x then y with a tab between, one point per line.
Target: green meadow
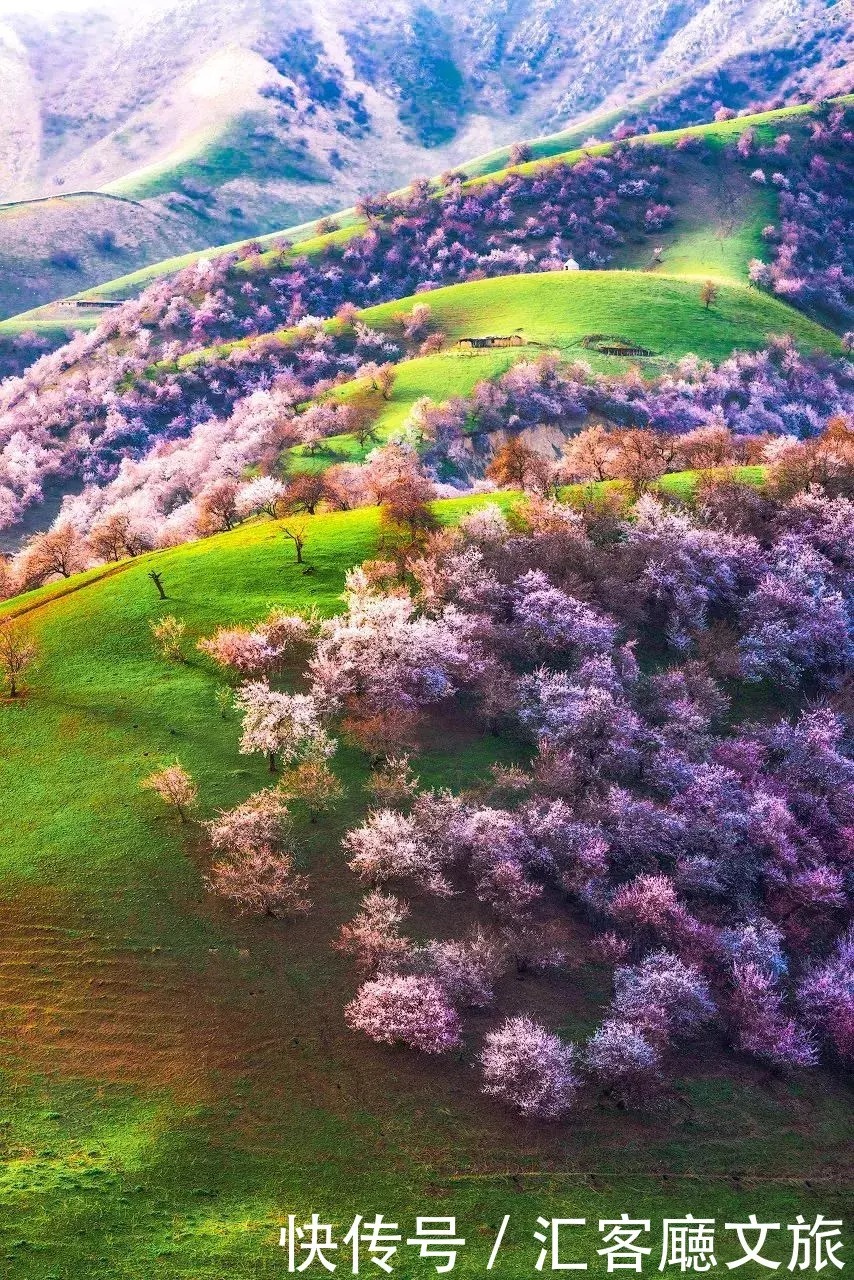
658	311
554	311
176	1080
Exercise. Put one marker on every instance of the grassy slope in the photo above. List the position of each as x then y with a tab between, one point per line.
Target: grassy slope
565	145
178	1080
215	158
555	309
661	312
601	123
569	145
55	246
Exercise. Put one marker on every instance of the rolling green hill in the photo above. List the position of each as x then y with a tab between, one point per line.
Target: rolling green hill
718	214
553	311
175	1078
655	310
570	143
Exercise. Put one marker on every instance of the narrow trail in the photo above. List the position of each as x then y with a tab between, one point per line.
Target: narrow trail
109	572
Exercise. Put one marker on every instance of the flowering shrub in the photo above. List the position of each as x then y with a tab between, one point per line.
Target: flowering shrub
624	1062
175	787
529	1068
261	882
407	1010
257	823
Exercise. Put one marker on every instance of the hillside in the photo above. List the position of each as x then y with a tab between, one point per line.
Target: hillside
221	121
653	309
52	246
426	638
554	313
717	228
415	76
178	1077
242	347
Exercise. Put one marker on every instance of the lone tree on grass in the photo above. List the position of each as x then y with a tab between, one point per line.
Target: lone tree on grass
175	788
520	153
314	784
284	726
364	429
383	380
296	531
303	494
255	872
709	293
18	650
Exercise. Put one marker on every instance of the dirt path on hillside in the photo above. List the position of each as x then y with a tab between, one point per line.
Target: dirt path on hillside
70	590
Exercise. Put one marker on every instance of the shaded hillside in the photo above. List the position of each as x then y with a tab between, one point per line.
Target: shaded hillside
54	247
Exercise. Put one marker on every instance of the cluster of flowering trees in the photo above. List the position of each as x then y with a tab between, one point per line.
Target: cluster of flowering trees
263	649
253	867
812	255
708	860
152	452
699	416
753	395
254	862
137	407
